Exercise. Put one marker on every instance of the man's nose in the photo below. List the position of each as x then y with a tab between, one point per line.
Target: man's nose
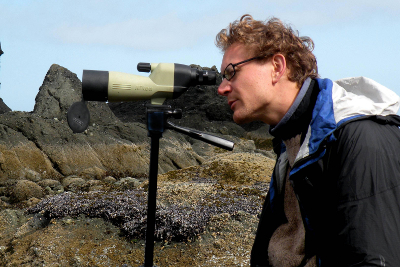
224	88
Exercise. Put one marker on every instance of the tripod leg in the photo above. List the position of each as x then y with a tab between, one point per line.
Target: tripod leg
152	199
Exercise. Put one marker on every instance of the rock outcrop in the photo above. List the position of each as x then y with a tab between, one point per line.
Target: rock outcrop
3	107
41	141
60	89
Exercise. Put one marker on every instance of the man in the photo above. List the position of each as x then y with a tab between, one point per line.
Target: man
334	198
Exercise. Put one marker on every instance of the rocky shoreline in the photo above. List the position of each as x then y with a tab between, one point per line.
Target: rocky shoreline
79	199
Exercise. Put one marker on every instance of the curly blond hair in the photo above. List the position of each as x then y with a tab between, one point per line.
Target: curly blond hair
270	38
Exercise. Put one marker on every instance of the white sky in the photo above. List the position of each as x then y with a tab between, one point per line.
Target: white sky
352	37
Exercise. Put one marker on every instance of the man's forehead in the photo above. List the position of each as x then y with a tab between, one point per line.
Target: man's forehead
234	53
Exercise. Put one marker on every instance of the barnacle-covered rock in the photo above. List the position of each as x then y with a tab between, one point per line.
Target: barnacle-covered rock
128	210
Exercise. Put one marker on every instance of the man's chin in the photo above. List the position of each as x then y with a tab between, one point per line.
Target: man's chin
241	120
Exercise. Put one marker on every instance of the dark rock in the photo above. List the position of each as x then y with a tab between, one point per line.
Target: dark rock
128	183
60	89
24	190
36	222
18	154
10	221
3	107
73	183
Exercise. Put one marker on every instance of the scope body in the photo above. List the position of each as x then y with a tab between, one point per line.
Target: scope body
167	80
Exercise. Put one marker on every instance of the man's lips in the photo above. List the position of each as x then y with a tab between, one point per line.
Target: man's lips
231	102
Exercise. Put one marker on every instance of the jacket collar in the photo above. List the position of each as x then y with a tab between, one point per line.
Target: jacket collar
298	117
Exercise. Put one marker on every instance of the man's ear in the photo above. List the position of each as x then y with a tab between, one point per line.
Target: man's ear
279	67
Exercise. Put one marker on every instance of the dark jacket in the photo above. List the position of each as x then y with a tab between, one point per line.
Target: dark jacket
346	178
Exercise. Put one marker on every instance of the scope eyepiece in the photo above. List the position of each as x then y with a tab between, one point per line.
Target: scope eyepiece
203	77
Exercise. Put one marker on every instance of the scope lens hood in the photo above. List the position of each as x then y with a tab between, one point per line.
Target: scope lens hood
95	85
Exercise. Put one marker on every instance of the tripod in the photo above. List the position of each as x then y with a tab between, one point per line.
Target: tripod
157	123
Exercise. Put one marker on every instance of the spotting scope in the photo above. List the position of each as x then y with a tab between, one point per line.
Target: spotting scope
166	81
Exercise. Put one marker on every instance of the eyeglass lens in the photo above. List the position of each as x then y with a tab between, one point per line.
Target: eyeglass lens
229	72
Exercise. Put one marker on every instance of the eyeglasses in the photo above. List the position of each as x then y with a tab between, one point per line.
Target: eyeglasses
230	71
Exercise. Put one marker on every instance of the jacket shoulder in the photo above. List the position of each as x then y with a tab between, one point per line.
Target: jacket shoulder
363	149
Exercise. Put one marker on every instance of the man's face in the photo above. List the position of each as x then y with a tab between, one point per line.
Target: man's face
250	93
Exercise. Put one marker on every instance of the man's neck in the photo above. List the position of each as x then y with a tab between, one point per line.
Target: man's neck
298	117
288	92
